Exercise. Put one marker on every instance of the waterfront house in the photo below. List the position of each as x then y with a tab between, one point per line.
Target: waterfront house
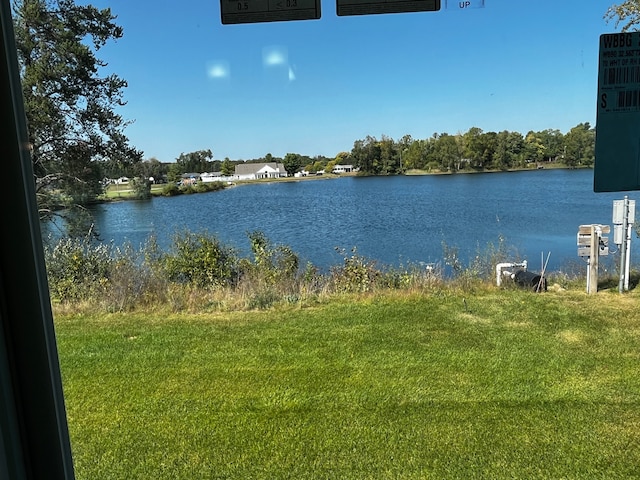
256	171
343	169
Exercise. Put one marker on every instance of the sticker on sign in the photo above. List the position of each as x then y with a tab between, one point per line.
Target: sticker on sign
619	73
257	11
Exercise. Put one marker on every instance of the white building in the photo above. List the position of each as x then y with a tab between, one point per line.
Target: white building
342	169
256	171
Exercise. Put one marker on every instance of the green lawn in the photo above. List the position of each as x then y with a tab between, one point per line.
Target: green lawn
126	191
494	385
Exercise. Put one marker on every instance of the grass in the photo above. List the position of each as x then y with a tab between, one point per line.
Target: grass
495	384
125	191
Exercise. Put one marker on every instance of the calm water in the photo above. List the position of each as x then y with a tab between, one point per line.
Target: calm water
394	220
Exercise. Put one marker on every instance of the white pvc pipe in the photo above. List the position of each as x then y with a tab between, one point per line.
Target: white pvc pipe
501	266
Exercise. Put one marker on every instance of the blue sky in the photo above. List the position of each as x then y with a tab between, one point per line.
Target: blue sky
314	87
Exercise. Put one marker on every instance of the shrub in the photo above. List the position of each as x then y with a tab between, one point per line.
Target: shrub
272	264
170	190
202	260
135	279
356	274
77	268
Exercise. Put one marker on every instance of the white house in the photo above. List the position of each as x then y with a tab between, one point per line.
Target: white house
256	171
342	169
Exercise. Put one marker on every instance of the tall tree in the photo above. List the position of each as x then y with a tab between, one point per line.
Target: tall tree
447	151
366	155
70	108
293	163
389	159
473	148
580	145
151	168
508	153
195	162
626	13
533	149
553	141
227	167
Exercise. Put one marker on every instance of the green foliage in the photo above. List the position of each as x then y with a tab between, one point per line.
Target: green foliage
262	299
227	167
112	278
272	264
481	267
151	168
200	259
199	272
580	146
199	162
78	268
356	274
203	187
293	162
141	188
626	13
170	190
73	126
135	279
474	150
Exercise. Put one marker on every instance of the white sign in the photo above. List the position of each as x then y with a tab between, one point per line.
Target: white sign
617	163
368	7
257	11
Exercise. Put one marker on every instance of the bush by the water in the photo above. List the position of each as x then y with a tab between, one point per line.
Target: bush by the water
199	272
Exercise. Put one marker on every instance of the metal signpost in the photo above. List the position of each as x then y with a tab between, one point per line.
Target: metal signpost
592	244
624	212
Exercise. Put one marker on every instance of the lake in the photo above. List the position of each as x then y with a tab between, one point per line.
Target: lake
393	220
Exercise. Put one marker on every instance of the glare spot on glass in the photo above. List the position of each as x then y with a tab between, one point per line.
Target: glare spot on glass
218	69
274	56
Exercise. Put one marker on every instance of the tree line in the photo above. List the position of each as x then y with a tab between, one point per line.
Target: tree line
473	150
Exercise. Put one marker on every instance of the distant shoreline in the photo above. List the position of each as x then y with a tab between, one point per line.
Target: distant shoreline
156	190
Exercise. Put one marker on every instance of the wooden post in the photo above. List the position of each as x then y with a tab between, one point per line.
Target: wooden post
592	286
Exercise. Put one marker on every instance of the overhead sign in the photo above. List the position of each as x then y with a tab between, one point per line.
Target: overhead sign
369	7
257	11
617	162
